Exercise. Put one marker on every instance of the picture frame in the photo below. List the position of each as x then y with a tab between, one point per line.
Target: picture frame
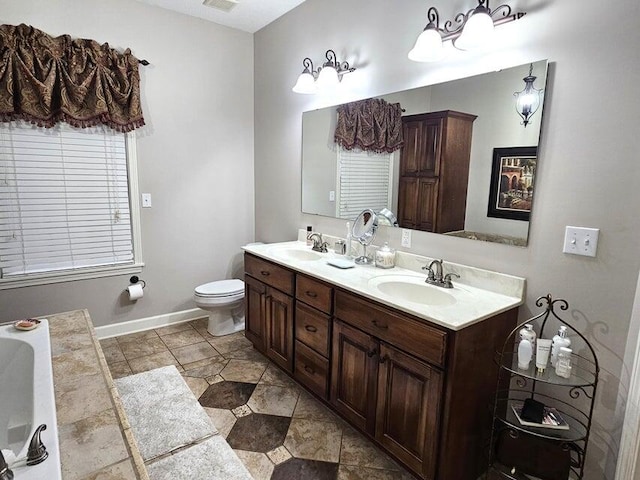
512	180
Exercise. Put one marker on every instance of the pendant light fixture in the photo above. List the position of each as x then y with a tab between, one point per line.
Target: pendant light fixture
324	78
528	100
466	31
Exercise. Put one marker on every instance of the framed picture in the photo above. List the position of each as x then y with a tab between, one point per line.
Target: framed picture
512	180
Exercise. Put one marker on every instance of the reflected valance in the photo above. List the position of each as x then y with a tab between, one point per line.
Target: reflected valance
45	80
372	125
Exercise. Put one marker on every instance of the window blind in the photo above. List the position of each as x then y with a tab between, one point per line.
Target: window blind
64	199
364	182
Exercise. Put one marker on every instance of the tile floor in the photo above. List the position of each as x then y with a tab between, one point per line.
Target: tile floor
278	430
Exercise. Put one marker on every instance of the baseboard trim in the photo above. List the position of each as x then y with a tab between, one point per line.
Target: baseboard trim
148	323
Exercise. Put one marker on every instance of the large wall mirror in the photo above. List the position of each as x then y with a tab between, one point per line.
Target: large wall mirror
499	168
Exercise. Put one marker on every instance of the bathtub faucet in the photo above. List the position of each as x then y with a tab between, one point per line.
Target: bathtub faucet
5	472
37	452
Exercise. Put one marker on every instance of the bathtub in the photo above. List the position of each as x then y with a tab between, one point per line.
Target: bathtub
27	400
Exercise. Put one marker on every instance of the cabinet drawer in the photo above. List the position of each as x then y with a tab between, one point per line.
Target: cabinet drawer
405	333
311	370
269	273
314	293
312	328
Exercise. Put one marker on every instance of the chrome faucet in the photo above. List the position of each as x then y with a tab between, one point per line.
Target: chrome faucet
436	277
318	244
5	472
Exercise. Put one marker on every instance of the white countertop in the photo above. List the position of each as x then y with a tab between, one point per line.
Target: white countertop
478	295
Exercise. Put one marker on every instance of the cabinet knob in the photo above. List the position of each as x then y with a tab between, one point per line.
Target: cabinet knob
380	326
310	328
371	353
264	273
308	369
384	358
311	294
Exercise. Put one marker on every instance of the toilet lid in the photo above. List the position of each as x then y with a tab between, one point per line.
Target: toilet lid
221	288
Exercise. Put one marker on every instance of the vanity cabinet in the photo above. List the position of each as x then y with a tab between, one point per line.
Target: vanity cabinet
434	171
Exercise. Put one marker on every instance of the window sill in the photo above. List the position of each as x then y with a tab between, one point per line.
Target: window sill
60	277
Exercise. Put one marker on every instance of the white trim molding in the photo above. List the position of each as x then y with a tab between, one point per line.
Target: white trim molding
148	323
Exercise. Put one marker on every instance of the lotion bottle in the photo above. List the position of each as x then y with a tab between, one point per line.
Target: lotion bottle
559	341
529	333
525	352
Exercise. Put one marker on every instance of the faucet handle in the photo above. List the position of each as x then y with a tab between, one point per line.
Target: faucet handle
430	275
447	280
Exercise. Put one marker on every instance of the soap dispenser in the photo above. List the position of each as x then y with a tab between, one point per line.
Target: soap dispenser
559	341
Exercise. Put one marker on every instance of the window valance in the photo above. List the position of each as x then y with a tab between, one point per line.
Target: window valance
45	80
372	125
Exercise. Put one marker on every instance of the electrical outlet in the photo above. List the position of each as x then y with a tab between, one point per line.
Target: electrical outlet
332	195
146	200
406	238
581	241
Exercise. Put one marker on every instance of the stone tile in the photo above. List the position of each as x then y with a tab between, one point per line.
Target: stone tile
162	411
274	376
109	342
200	324
196	385
305	469
274	400
212	459
207	367
227	395
223	419
259	433
120	369
243	371
314	440
259	466
182	338
137	337
215	379
175	328
279	455
242	411
113	354
311	409
68	322
119	471
80	440
357	450
143	347
351	472
248	353
229	343
193	353
76	401
71	342
150	362
71	366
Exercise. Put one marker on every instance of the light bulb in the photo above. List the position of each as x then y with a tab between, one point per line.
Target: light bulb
305	84
428	47
477	31
328	77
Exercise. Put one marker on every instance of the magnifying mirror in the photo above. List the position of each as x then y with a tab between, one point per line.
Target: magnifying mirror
364	230
386	217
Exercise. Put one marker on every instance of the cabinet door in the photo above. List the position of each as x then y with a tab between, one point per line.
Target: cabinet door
255	311
408	202
279	328
354	369
430	159
427	204
413	148
408	409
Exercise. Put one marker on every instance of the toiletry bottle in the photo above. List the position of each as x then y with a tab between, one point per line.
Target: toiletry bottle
348	240
385	257
563	362
529	333
309	232
543	348
525	352
560	340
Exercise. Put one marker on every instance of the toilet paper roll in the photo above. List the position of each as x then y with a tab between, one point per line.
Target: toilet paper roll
135	292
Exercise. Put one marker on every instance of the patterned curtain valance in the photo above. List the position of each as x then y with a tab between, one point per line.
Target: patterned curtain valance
45	80
372	125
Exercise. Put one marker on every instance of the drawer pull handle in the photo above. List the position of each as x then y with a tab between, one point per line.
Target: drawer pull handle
382	327
371	353
310	328
311	294
264	273
308	369
384	358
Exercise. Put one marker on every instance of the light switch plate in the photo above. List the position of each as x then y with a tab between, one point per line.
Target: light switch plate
406	238
146	200
332	195
581	241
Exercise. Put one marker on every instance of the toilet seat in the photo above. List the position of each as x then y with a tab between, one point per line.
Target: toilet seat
220	288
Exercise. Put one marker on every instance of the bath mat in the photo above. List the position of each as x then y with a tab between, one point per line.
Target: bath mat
162	411
212	459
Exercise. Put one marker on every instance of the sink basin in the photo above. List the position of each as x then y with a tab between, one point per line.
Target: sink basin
407	288
298	254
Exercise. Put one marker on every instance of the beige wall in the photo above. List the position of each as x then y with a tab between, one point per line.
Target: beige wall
589	152
195	154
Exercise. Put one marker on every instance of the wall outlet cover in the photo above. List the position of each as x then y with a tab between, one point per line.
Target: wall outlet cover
406	238
146	200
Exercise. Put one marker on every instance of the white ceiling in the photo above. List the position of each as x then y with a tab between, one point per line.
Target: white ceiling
248	15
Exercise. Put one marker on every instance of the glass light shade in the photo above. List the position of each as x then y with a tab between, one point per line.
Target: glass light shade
428	47
528	100
328	77
305	84
477	32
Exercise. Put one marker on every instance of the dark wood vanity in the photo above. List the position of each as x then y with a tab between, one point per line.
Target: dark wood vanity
422	392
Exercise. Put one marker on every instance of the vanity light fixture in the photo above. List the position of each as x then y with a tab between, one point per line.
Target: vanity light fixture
466	31
528	100
323	78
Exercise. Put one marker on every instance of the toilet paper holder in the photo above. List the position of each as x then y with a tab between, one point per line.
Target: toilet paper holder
134	280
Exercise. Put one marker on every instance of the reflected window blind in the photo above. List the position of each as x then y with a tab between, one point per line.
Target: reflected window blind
364	182
64	199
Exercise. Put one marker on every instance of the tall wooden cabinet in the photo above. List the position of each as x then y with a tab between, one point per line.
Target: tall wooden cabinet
434	171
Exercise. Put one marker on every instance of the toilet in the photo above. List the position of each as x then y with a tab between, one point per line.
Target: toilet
224	300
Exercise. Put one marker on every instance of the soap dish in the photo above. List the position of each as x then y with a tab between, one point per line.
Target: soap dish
27	324
341	263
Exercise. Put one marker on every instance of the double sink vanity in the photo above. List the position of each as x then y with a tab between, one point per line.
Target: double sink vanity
409	364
